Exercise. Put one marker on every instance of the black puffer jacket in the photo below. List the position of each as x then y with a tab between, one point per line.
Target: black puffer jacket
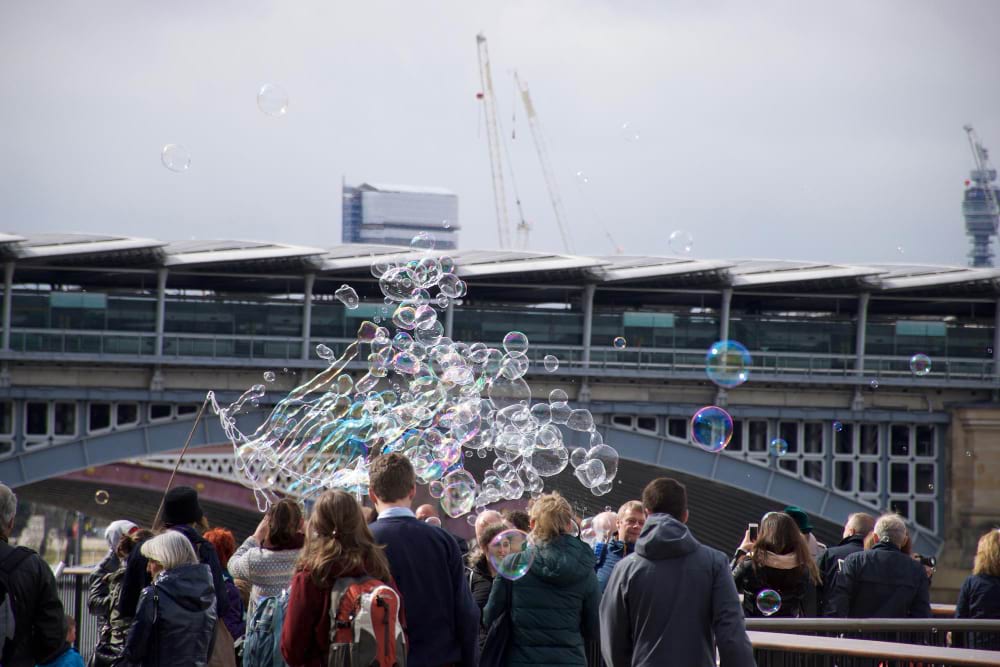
175	620
882	582
39	636
99	596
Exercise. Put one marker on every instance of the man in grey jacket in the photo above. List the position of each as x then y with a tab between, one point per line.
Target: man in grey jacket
673	600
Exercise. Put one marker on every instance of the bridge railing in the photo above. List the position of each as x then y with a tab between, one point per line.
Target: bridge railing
955	632
604	360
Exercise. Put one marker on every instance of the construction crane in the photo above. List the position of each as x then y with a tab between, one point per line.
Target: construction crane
493	138
543	157
979	206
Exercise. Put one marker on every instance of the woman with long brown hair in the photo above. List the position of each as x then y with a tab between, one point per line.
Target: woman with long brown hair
778	560
338	544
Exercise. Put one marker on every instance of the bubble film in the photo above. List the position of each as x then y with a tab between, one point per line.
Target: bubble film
619	343
711	428
403	386
102	497
175	157
727	364
272	100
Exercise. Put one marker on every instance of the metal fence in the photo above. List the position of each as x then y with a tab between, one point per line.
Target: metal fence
72	585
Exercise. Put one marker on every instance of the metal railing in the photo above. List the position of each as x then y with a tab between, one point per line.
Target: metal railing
72	586
943	632
777	649
603	359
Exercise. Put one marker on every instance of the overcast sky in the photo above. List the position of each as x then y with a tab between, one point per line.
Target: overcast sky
795	130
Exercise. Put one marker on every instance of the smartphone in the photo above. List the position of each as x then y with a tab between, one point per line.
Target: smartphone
753	531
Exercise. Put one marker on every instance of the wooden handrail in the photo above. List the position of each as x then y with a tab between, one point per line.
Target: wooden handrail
864	648
842	625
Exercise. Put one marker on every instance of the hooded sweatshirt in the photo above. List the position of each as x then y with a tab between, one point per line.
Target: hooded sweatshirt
671	603
554	607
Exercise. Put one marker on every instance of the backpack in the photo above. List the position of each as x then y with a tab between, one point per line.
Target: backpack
7	624
365	626
262	641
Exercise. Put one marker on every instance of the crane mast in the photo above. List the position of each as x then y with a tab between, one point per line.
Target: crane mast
543	158
980	207
493	139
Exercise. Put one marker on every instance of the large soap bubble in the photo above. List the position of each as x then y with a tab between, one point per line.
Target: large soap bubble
727	363
511	554
712	428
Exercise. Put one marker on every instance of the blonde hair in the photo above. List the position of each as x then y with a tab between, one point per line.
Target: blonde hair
552	516
988	554
629	507
170	549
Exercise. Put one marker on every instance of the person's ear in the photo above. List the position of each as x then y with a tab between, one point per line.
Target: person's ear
684	519
413	492
374	498
645	512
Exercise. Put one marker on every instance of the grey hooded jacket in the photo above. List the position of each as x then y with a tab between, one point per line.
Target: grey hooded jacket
671	603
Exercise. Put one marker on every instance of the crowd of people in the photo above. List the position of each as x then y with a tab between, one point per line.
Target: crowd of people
388	585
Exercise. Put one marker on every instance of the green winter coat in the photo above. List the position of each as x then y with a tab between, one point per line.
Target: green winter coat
555	606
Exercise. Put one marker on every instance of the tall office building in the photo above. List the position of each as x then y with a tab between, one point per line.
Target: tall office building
394	214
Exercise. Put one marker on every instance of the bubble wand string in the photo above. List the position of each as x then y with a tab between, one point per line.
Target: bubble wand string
197	420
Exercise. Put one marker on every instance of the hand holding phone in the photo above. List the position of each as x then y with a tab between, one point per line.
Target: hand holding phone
752	531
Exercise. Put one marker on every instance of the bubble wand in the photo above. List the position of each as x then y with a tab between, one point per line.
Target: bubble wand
159	512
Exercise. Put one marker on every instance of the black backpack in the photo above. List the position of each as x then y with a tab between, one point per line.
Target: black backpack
7	626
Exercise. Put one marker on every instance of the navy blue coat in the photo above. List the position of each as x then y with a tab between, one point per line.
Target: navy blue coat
441	617
882	582
829	567
979	597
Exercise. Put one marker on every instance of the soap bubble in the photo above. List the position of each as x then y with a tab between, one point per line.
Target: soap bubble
582	177
680	242
511	554
515	341
619	343
435	489
324	352
577	457
727	363
551	363
423	241
712	428
558	396
920	364
778	447
628	132
347	296
433	521
837	427
272	100
102	497
873	384
768	602
549	462
269	376
175	157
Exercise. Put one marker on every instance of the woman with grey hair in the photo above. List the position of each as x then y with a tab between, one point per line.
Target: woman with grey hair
176	615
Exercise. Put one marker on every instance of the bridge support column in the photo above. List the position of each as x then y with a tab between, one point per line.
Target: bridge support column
307	301
727	300
858	401
996	339
449	320
161	308
588	327
8	301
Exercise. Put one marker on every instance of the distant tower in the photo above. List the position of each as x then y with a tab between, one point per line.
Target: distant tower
980	205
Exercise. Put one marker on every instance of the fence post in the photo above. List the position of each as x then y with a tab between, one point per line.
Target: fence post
78	603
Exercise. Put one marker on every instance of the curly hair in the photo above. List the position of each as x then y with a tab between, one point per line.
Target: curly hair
988	554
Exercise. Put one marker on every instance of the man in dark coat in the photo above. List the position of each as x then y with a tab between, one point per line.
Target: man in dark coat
882	582
856	529
181	512
673	601
39	634
441	617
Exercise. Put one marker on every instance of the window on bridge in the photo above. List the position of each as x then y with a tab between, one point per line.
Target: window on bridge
98	417
126	414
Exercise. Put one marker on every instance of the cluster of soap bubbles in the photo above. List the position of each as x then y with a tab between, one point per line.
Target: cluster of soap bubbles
420	393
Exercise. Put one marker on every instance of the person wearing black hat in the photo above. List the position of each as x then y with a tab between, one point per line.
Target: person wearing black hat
181	512
806	528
